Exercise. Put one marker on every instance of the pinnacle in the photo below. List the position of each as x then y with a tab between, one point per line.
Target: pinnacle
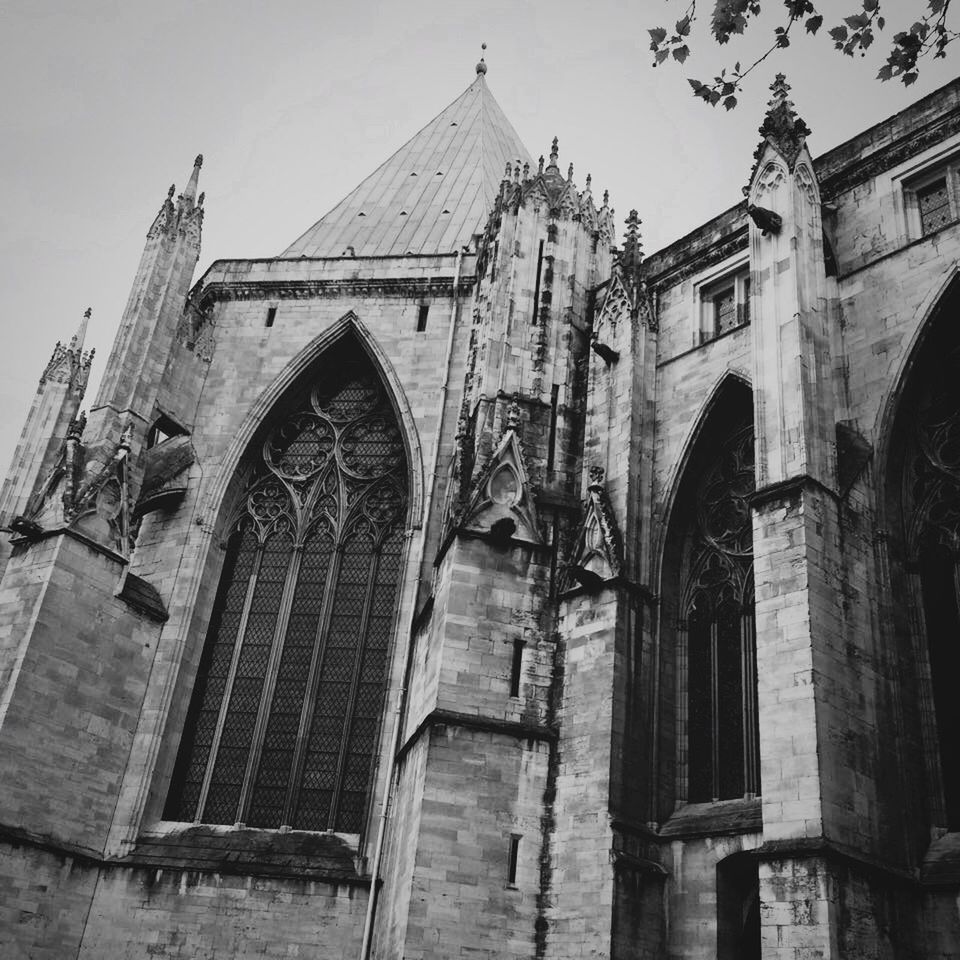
781	126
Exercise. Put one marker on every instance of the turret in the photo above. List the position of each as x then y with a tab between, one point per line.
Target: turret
54	409
545	248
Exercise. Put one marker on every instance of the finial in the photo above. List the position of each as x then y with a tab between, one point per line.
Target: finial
190	191
516	171
554	153
526	170
606	198
508	172
589	181
570	173
88	313
200	199
540	165
632	254
171	191
781	127
482	65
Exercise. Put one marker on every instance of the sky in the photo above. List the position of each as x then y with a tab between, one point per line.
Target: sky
292	103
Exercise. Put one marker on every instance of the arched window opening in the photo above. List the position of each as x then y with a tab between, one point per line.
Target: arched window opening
738	908
927	442
718	623
709	744
283	722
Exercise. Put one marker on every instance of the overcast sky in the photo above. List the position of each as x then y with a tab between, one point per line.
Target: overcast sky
292	103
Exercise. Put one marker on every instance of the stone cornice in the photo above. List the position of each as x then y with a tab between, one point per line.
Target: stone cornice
886	157
518	729
230	290
701	260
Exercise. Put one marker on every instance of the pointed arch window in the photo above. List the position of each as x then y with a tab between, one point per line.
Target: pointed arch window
929	434
285	713
717	631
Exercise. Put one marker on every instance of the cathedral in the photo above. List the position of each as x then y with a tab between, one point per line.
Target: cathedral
465	582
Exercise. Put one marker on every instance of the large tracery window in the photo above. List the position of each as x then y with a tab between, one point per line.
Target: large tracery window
929	439
283	724
717	627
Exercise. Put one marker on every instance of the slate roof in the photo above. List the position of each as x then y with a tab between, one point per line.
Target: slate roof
432	195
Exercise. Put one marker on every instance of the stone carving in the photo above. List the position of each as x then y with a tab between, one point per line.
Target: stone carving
597	555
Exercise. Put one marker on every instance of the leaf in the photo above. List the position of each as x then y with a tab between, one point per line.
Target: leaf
729	102
866	39
839	34
814	24
881	23
658	34
886	72
935	6
857	22
661	56
683	26
909	78
697	85
870	5
681	53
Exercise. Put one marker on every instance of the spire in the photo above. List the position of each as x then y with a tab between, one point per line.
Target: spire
445	178
482	65
76	342
190	193
781	127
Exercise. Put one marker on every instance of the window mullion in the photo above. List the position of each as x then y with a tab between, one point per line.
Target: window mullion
228	686
310	697
714	709
354	686
749	681
269	683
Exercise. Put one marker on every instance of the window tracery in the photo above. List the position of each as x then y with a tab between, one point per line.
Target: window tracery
285	714
717	629
931	512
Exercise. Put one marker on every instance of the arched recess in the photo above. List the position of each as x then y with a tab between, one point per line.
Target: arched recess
286	709
709	746
920	457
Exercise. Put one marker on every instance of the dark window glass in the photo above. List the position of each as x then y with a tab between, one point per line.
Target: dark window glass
271	316
934	203
724	310
721	721
283	724
422	317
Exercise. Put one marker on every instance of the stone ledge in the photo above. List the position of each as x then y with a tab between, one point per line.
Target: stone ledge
517	729
724	817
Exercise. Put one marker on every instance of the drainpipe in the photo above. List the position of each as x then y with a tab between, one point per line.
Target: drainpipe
402	695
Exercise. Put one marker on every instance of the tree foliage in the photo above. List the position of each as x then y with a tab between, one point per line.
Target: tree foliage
927	36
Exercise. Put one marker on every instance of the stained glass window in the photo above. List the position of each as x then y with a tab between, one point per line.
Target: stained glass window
283	723
721	722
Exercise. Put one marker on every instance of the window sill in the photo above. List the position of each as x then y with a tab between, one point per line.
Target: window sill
723	817
941	865
300	854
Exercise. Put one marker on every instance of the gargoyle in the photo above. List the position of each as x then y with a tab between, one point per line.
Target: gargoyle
766	220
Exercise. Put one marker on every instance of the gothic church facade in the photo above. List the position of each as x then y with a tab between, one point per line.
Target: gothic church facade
460	583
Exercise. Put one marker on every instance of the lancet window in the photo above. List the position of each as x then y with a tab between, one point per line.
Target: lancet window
930	491
284	720
717	628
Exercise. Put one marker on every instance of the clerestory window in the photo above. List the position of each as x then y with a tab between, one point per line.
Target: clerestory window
932	199
285	714
725	305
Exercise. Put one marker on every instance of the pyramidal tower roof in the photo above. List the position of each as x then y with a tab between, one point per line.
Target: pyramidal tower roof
433	194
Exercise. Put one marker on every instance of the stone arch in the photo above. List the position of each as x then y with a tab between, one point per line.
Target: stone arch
731	378
298	366
695	617
918	479
314	561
